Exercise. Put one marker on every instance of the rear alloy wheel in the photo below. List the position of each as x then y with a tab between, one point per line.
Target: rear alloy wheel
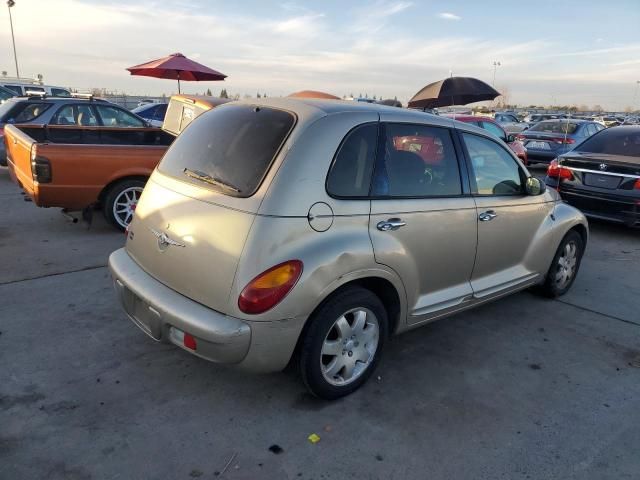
121	202
343	343
564	266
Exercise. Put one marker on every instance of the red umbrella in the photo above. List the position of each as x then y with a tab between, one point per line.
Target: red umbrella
176	67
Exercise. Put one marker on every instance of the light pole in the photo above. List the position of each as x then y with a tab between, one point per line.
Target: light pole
495	67
11	3
635	95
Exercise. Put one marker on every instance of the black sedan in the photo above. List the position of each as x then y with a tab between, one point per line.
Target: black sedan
601	176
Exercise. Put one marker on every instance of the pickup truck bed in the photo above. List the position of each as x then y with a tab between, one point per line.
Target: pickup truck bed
77	167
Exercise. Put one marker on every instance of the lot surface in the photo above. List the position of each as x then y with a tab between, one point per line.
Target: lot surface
521	388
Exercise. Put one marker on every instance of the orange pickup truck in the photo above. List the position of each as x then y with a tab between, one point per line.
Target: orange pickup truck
78	167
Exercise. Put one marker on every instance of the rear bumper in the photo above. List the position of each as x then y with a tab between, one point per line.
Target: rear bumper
609	207
165	315
541	155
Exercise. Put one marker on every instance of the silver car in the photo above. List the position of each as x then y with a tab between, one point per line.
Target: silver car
284	230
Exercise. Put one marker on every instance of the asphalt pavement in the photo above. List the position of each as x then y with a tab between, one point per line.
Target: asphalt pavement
524	387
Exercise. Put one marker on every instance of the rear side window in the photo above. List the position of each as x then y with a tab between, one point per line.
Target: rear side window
24	111
350	174
418	161
116	117
229	149
60	92
81	115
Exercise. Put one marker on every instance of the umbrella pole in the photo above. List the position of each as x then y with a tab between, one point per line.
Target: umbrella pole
178	82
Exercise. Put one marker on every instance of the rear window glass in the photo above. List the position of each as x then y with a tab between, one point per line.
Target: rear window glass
229	149
555	127
22	112
614	141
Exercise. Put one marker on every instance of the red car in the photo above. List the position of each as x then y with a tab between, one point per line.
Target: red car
494	127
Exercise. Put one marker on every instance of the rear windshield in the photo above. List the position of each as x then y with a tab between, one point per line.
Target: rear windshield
229	149
22	112
613	141
555	127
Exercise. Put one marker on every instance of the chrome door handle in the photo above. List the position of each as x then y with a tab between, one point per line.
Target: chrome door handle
487	216
391	224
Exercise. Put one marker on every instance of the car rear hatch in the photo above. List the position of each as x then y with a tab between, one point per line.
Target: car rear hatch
196	211
604	171
544	141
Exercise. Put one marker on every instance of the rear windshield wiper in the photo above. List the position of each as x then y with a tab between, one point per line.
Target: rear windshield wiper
197	174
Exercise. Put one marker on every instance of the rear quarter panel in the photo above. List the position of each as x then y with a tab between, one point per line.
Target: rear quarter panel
80	172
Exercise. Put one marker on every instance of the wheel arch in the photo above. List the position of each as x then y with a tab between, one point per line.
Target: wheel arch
105	190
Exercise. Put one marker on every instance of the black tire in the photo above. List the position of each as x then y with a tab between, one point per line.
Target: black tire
114	194
321	326
551	287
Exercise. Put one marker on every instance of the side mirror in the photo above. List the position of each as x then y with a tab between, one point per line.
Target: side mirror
511	138
534	186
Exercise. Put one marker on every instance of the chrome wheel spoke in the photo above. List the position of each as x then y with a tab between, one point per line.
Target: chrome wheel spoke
343	327
359	321
331	347
332	369
349	367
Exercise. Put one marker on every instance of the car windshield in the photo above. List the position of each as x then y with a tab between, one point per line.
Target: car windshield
614	141
555	127
229	149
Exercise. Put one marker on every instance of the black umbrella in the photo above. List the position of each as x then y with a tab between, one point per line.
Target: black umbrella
453	91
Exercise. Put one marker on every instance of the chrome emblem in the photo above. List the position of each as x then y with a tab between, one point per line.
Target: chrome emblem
165	241
603	166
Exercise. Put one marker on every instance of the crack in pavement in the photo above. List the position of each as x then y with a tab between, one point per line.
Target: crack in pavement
55	274
590	310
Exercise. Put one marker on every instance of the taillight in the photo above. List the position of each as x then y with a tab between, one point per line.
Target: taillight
557	171
40	167
565	141
270	287
636	186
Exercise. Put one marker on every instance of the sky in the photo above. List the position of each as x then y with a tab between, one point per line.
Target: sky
550	52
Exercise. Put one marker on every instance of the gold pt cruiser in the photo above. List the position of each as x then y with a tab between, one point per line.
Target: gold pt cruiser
307	230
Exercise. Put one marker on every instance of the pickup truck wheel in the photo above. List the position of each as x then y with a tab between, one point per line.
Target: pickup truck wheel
120	202
343	343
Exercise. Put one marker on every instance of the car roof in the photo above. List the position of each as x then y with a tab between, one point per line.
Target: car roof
46	98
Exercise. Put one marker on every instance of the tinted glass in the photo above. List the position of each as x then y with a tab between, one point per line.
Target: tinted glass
418	161
555	127
22	112
160	112
59	92
5	94
350	174
81	115
15	88
234	144
614	141
117	117
494	169
497	131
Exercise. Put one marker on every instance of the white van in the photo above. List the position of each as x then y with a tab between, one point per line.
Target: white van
21	88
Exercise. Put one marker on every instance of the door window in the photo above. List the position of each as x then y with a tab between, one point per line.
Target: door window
494	169
418	161
117	117
496	130
350	174
80	115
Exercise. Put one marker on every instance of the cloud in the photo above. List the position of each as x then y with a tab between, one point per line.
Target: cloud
372	48
449	16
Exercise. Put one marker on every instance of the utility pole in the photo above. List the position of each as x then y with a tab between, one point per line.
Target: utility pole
496	64
635	95
11	3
